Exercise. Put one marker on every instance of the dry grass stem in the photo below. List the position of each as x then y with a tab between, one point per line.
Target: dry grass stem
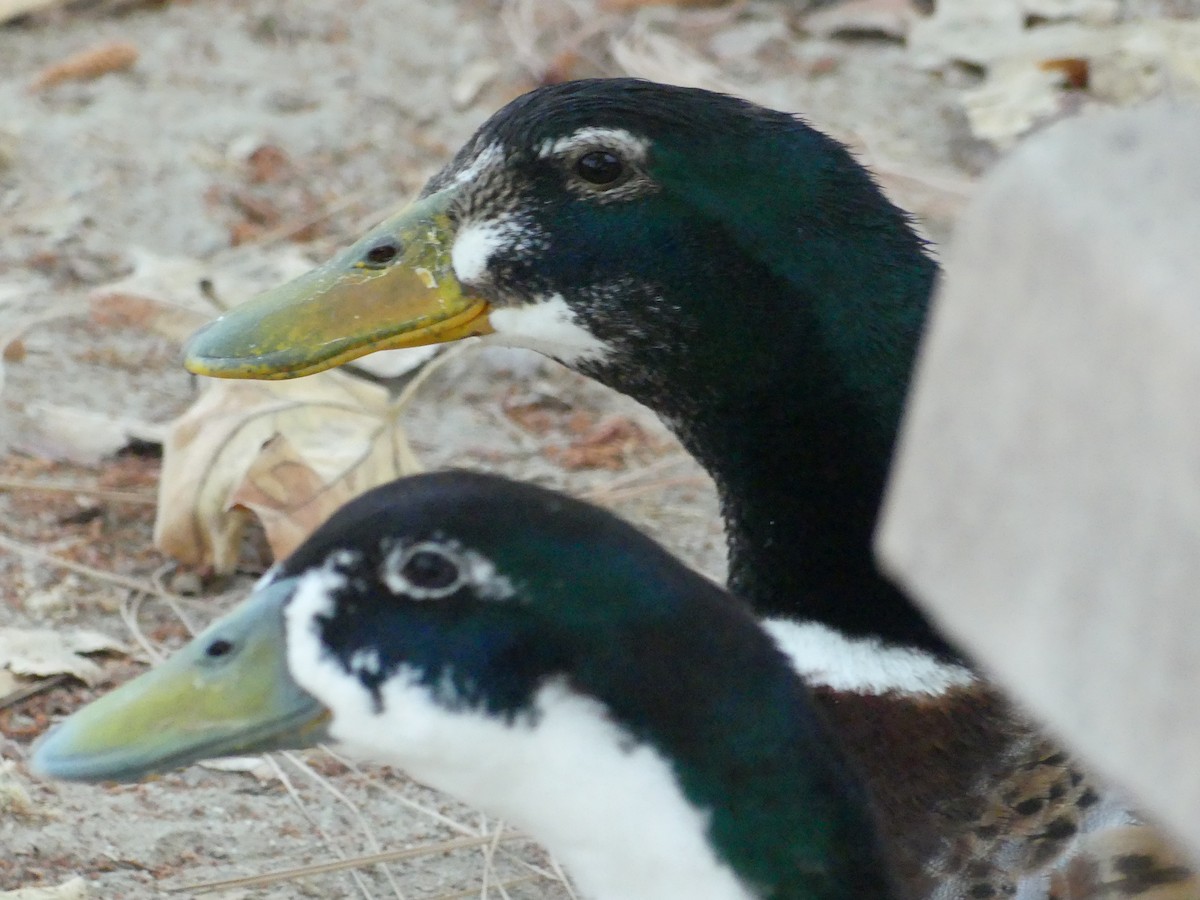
363	824
294	794
342	865
31	552
23	484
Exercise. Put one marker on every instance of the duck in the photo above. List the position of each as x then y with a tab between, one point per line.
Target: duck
741	274
532	655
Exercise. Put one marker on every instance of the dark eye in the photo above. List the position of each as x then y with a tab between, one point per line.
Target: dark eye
428	570
381	254
218	648
599	167
431	570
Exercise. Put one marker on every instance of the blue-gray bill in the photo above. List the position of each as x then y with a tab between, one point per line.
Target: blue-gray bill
228	691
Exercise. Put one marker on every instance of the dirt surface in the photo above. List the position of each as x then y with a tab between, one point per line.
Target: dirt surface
248	136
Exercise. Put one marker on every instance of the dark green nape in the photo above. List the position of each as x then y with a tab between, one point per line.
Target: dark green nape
801	456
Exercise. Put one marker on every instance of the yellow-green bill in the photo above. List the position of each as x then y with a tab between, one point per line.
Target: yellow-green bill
226	692
394	288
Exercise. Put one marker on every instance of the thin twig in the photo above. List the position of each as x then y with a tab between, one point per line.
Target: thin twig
329	842
562	876
502	885
23	484
341	865
369	832
440	818
32	690
129	615
28	550
606	496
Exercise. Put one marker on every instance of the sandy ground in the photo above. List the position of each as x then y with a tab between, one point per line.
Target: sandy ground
285	126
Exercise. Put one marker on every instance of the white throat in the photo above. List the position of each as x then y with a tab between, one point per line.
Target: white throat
548	327
610	810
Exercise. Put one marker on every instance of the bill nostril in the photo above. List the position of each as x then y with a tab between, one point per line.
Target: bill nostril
382	253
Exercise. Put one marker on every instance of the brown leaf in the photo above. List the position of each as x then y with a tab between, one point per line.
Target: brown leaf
630	5
42	652
599	446
115	56
268	163
74	889
889	18
12	9
1075	70
287	452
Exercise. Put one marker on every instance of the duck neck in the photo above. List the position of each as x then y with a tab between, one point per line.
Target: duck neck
800	457
719	700
800	502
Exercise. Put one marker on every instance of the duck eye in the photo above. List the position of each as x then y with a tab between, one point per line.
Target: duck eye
381	254
218	648
599	167
423	571
430	570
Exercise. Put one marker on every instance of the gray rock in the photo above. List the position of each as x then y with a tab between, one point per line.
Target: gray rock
1045	504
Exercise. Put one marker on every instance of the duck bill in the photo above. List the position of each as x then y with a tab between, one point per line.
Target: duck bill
358	302
226	692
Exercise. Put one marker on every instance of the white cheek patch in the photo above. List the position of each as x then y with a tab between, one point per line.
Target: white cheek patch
548	326
823	656
477	242
309	662
610	809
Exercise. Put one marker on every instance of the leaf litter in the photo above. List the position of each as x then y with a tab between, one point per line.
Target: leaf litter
286	452
290	476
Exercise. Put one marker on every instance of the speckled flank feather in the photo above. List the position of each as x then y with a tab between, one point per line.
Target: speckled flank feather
1134	861
974	802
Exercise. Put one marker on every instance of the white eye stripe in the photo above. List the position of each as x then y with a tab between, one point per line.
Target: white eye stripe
487	157
394	564
617	140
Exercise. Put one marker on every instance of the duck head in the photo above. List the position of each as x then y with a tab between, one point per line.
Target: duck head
531	655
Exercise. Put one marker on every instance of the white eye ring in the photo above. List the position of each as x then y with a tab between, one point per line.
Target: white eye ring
400	582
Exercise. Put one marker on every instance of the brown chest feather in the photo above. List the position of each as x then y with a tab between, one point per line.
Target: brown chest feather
970	795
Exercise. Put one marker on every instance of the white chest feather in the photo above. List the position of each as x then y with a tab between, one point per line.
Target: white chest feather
609	810
826	657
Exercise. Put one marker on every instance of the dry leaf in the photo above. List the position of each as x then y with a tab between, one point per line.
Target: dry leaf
472	81
11	9
75	889
1016	96
1094	12
289	452
82	436
14	799
166	294
645	53
267	164
970	31
116	56
630	5
255	766
604	445
891	18
42	652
